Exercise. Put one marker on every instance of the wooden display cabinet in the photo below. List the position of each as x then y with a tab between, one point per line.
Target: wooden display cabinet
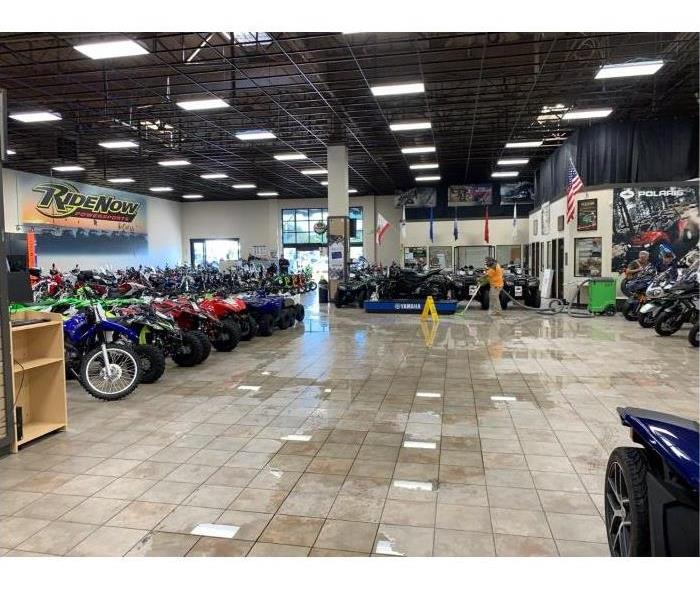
39	376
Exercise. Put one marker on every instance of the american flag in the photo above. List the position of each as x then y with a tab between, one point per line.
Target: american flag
573	186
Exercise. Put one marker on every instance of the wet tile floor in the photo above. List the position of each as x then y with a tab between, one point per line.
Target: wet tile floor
355	435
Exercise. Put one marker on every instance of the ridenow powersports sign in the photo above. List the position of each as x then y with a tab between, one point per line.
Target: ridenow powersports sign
48	202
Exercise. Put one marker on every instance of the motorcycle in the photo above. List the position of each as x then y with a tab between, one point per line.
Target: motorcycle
657	295
651	493
683	305
635	290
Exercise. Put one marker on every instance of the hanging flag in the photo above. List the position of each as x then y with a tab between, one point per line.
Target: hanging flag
431	225
515	221
382	226
486	225
574	184
403	223
455	231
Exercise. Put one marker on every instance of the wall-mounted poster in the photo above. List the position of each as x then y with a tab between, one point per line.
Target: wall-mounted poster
545	219
534	226
71	218
587	214
416	198
588	260
414	256
522	192
653	219
470	195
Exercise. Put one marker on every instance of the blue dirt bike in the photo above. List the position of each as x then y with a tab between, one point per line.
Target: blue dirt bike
651	493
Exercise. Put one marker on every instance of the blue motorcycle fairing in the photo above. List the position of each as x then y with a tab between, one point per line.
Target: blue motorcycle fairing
77	330
676	440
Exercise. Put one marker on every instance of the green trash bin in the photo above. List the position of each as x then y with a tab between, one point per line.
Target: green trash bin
602	294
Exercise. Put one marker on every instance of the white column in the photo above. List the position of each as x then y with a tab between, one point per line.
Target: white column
338	183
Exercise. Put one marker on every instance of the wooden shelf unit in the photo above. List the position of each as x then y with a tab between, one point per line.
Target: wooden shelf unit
39	376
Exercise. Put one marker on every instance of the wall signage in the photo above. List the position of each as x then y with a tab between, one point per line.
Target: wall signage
587	215
470	195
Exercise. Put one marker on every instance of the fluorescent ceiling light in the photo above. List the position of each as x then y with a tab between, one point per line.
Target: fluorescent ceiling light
632	69
327	390
409	125
244	186
513	161
161	189
267	194
504	174
593	113
192	196
68	168
397	89
324	183
115	49
504	398
173	163
207	104
296	438
314	172
530	144
265	373
121	180
39	116
214	176
11	152
420	445
352	191
423	166
215	530
423	486
252	388
119	144
428	394
255	134
428	178
418	149
291	156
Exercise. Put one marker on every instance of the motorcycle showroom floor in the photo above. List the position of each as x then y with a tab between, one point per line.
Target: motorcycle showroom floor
491	442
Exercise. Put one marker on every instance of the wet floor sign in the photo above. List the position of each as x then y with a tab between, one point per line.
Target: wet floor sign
429	332
429	310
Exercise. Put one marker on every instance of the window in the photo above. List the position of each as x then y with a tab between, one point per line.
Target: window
472	256
508	254
298	226
207	251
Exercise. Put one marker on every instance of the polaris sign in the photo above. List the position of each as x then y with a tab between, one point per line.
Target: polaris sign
670	192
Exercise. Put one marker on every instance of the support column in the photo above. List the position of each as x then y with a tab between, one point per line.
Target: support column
338	209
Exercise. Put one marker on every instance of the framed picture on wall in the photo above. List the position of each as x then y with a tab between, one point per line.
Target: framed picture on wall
560	223
412	255
534	227
545	219
588	259
587	215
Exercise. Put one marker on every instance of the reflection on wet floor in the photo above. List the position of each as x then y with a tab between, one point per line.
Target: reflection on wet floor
381	436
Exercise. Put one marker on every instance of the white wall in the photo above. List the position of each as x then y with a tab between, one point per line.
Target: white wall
163	221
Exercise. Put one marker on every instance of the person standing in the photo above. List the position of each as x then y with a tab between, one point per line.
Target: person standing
494	274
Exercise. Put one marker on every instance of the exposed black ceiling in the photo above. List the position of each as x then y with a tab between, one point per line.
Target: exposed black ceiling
312	89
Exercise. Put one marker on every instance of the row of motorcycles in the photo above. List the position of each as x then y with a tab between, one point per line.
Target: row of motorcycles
367	282
665	302
119	331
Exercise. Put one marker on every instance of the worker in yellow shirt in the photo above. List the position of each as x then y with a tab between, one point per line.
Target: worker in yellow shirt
494	274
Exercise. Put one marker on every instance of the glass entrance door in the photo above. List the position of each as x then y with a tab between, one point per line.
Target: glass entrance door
210	251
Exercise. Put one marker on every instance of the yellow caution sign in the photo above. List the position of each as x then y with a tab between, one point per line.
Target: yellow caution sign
429	309
429	332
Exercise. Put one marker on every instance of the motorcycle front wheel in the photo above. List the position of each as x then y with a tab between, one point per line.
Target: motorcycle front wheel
115	381
646	320
668	323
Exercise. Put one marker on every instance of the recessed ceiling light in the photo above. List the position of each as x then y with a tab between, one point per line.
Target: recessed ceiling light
529	144
397	89
423	166
11	152
428	178
291	156
173	163
244	186
267	194
504	398
513	161
352	191
409	125
631	69
504	174
428	395
252	388
593	113
68	168
207	104
116	49
314	172
324	183
296	438
39	116
161	189
214	176
215	530
121	180
192	196
418	149
119	144
265	373
255	134
420	445
422	486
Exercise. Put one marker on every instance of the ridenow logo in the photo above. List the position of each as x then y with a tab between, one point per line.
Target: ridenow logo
62	200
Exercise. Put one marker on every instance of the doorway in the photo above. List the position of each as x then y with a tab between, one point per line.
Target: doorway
210	251
559	267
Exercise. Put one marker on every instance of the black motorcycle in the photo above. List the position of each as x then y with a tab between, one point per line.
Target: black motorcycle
405	283
683	308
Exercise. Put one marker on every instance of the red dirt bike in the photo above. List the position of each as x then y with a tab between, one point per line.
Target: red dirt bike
189	316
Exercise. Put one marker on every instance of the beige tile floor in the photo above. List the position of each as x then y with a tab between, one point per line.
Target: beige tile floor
411	450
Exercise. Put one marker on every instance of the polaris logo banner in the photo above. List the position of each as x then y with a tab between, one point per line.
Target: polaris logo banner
670	192
60	201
